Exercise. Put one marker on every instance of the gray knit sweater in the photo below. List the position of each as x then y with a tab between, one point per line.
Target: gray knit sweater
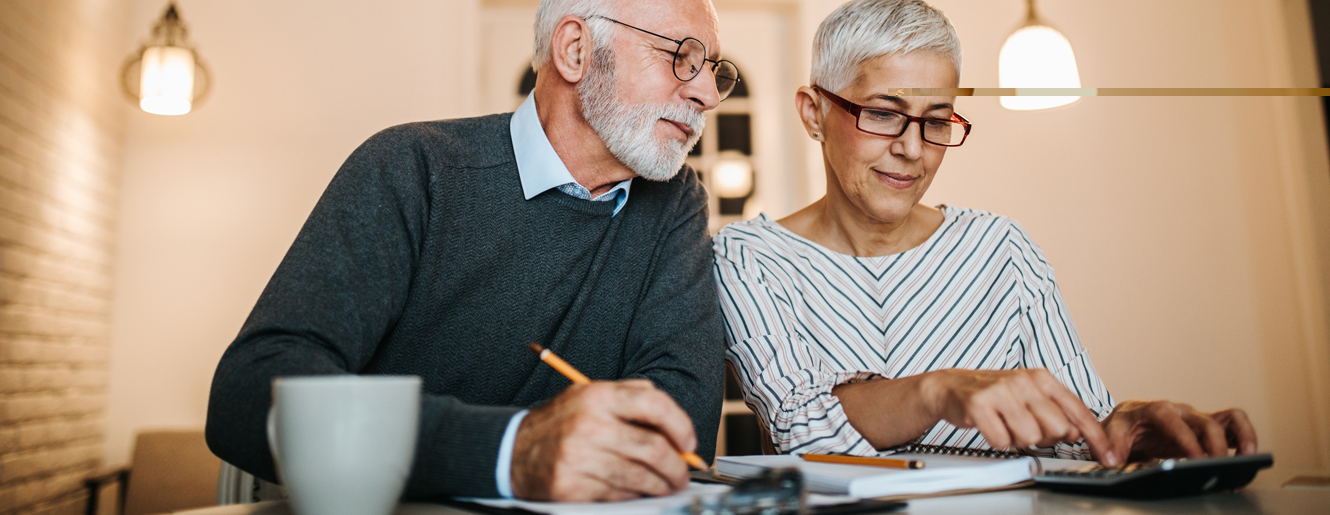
423	258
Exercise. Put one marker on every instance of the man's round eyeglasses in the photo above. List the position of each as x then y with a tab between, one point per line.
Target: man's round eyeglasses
892	124
689	59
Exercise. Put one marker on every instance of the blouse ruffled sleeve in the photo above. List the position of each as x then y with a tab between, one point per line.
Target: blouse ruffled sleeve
786	382
1050	341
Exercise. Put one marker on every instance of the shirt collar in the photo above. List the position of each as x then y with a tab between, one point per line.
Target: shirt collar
538	165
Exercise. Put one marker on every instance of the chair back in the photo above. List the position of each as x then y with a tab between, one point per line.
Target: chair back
172	471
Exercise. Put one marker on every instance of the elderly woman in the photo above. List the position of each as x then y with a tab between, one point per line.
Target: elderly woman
867	321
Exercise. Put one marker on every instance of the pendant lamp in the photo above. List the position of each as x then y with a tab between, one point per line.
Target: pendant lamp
1037	56
165	76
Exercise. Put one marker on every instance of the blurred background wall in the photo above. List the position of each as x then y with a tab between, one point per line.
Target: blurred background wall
61	154
216	196
1191	236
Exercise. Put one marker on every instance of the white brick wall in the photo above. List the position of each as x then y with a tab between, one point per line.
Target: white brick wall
61	118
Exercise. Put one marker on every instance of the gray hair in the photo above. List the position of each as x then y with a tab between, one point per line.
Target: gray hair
550	12
862	30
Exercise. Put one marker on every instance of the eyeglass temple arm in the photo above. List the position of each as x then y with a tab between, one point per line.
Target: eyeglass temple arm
848	106
667	38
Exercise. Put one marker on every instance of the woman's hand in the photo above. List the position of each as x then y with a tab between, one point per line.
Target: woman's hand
1016	408
1020	408
1029	407
1163	429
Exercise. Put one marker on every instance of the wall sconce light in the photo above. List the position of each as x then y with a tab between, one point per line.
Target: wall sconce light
165	76
732	175
1037	56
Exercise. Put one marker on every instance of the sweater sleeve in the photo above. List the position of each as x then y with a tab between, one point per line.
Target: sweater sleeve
675	339
339	290
785	381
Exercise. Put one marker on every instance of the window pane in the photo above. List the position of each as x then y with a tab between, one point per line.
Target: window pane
735	133
732	206
740	89
528	82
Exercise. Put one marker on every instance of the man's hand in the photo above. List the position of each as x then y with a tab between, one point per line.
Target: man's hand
604	441
1163	429
1016	408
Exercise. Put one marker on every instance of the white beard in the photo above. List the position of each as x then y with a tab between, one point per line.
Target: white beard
629	130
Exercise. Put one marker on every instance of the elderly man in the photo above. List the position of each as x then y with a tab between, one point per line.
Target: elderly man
441	249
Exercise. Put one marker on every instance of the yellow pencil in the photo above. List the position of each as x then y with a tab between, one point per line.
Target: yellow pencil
579	378
559	364
863	460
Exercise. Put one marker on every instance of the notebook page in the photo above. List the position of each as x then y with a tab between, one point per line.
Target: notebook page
941	474
1061	464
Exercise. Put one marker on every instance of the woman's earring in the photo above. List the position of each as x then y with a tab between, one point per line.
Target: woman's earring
817	135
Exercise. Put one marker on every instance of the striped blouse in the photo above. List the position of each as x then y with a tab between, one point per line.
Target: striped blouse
801	319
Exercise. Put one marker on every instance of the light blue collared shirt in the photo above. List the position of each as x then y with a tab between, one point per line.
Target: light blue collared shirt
540	167
503	470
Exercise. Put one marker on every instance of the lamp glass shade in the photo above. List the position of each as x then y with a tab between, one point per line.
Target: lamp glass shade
1037	56
167	85
733	178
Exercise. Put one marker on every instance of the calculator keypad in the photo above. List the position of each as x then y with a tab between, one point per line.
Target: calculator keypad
1096	470
1157	479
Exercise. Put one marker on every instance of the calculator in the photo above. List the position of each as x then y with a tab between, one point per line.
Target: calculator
1157	480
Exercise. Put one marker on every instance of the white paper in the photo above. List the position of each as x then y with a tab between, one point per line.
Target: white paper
652	506
649	506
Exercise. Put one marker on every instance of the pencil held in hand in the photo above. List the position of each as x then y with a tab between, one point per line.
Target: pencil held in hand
579	378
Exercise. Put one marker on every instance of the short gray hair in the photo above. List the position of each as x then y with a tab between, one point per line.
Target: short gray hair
550	12
862	30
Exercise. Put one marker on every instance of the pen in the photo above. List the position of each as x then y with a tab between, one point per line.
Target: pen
579	378
862	460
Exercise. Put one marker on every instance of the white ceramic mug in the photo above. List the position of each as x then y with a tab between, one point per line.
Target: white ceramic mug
344	444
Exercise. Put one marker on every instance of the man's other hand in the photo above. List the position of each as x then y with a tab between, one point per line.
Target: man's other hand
604	441
1163	429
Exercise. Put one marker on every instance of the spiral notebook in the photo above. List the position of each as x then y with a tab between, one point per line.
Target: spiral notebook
1042	464
946	469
